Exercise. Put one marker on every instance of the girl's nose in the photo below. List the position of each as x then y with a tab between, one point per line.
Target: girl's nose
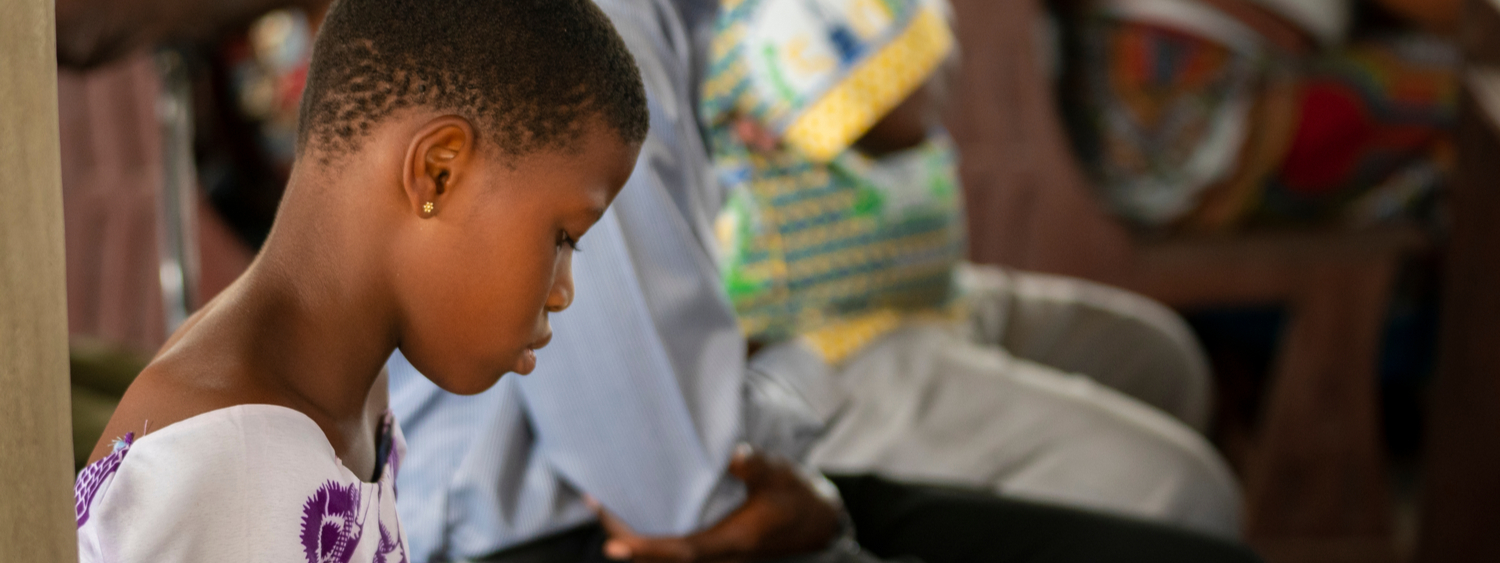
561	296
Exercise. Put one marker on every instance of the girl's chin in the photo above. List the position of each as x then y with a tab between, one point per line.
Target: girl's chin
526	363
473	384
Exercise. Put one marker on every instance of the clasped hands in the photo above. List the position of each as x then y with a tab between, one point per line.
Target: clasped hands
784	514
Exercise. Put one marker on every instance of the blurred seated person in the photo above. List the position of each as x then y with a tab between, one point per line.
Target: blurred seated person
844	237
1210	115
625	441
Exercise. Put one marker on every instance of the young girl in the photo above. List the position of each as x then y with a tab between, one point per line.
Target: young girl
450	157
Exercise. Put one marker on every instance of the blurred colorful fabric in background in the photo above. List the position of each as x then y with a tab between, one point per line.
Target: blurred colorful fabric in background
1375	132
1168	112
248	91
1188	119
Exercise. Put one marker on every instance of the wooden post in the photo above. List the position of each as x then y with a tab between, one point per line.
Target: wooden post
1029	204
36	460
1462	477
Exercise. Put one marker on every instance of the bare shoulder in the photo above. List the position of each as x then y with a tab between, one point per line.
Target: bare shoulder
173	388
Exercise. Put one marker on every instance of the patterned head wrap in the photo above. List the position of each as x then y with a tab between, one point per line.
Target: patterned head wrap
820	73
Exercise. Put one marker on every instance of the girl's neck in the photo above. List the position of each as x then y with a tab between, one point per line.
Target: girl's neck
318	343
315	304
309	327
313	322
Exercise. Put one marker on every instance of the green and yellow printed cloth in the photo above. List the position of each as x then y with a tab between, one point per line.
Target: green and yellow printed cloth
818	240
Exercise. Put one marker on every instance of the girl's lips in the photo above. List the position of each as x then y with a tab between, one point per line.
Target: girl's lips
527	362
542	342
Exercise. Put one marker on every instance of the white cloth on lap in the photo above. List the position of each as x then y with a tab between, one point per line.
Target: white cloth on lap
1046	393
244	483
1120	339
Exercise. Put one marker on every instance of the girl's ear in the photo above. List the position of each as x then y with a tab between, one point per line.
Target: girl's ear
440	154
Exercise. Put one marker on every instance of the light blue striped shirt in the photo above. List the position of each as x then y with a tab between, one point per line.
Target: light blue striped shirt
644	391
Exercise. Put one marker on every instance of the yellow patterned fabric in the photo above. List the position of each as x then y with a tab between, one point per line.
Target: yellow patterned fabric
872	90
820	73
837	341
818	240
807	245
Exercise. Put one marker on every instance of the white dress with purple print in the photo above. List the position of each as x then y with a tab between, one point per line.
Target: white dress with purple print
245	483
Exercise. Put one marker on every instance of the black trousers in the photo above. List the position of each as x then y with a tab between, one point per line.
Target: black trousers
951	525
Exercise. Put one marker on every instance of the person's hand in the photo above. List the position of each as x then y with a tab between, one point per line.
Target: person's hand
783	515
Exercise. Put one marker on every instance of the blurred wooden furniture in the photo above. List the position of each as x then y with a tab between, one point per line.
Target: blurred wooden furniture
1461	514
111	155
112	180
112	185
1437	15
1315	476
1315	481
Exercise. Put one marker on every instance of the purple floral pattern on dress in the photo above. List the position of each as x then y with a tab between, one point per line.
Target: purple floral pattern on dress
93	477
330	527
334	517
389	546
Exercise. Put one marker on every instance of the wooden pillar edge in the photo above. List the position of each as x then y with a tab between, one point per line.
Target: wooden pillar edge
36	500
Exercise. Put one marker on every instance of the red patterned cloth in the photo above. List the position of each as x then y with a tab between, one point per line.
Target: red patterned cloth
1370	114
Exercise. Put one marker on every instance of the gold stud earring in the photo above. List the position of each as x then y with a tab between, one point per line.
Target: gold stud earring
427	208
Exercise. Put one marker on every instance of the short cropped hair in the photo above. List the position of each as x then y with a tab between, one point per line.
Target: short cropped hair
527	73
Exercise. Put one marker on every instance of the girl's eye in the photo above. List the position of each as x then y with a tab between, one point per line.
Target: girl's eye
566	239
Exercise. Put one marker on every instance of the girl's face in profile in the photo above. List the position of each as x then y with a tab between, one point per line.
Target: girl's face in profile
480	276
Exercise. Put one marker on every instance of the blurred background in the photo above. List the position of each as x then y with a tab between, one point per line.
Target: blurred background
1308	181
